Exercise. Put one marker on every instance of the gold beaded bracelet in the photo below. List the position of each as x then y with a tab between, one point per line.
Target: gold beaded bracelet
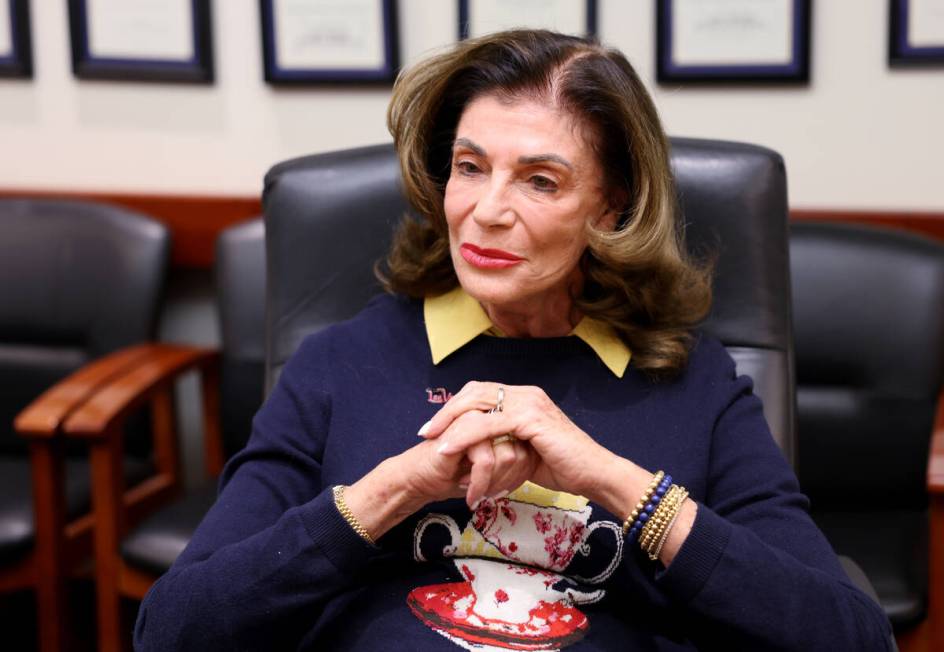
659	518
656	479
338	491
662	520
654	555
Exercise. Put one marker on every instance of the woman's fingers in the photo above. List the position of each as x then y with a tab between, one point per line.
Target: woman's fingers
474	396
474	427
506	462
483	463
497	469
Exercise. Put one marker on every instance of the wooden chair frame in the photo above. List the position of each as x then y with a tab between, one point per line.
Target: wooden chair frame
61	546
117	509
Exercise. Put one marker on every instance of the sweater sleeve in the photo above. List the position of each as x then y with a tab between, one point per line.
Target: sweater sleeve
272	550
755	570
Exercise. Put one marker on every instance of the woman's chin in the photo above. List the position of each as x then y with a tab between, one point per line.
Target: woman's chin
492	292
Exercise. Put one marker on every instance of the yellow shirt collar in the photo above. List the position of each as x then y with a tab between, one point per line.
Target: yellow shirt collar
454	319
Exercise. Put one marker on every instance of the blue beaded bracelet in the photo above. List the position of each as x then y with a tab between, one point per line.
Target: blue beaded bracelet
649	507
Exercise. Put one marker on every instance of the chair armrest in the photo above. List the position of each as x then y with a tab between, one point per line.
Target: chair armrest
151	379
160	365
45	415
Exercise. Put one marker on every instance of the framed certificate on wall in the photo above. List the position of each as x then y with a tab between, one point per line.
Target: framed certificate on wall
479	17
733	41
916	32
142	40
16	50
329	41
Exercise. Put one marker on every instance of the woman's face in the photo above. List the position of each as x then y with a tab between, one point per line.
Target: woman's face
522	185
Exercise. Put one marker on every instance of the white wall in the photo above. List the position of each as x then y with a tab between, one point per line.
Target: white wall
860	136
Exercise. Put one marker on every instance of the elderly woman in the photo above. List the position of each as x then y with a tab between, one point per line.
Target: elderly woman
590	471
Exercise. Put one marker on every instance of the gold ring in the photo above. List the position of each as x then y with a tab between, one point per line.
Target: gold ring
501	439
500	403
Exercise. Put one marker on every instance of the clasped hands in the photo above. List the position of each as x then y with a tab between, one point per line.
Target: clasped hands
547	447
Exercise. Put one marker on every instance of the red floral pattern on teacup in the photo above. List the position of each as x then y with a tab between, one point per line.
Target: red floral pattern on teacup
550	541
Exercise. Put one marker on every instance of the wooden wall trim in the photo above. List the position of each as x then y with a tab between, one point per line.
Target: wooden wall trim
195	221
925	223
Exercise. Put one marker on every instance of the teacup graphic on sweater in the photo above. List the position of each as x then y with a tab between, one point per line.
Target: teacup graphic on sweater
509	592
532	526
511	556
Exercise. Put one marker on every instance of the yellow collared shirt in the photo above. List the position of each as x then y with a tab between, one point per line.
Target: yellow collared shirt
454	319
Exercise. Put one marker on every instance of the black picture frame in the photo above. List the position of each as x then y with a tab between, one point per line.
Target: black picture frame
196	70
900	52
384	74
19	62
590	27
796	71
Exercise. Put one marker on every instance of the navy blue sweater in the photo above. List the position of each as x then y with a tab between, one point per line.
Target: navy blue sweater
275	566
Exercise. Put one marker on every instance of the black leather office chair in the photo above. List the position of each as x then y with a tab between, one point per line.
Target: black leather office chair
329	218
77	282
131	554
869	317
153	546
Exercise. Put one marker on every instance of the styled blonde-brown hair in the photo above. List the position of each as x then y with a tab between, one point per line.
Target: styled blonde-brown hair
637	278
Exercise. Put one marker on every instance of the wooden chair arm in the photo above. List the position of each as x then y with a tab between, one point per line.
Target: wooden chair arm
150	380
45	415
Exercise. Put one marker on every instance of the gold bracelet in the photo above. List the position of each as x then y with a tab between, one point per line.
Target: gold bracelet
655	519
667	518
658	518
656	479
654	555
338	491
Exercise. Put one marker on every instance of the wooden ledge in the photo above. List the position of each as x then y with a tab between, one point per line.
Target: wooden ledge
45	415
159	366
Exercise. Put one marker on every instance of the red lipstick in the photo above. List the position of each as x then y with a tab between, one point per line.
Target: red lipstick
488	258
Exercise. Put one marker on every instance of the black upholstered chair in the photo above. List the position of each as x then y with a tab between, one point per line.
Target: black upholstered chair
131	553
78	281
329	218
154	545
869	319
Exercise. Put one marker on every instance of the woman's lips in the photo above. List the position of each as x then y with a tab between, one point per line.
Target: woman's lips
488	258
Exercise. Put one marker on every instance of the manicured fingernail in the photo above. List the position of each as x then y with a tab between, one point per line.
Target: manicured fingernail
500	494
463	485
475	505
444	448
424	429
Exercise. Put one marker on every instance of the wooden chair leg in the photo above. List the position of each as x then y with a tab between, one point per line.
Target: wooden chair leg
212	431
108	491
50	518
164	432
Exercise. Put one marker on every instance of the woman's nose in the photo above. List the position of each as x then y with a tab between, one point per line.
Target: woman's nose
493	207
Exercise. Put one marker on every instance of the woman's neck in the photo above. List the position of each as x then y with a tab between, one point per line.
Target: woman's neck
546	318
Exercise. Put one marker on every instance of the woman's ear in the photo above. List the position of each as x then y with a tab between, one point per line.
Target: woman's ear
607	220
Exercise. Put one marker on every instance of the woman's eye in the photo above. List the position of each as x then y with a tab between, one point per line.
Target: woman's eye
467	167
542	183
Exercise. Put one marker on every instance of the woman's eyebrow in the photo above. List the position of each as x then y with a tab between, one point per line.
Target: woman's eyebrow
465	142
544	158
524	160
